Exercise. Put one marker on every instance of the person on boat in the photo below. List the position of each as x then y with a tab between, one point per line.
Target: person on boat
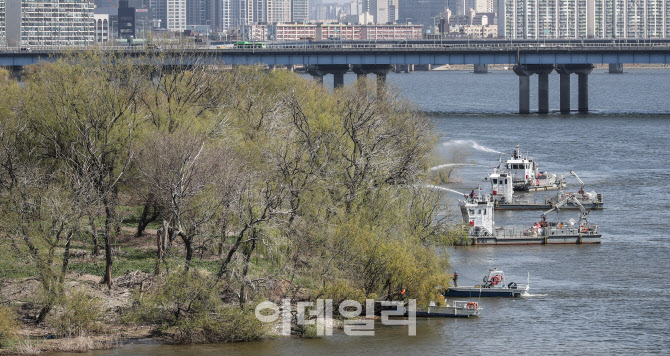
472	194
544	223
455	278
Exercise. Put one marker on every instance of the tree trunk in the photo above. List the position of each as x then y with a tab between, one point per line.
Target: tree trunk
248	251
109	216
146	218
161	241
94	235
188	243
229	257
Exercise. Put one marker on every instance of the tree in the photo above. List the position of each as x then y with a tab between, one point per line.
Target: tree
40	208
83	111
192	178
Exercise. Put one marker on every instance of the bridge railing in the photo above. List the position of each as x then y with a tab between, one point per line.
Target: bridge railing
372	46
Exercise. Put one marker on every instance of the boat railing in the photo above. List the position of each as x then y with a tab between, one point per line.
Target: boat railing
524	200
509	232
512	232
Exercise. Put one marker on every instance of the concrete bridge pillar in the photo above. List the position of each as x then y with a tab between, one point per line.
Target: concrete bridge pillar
582	71
616	68
381	70
15	72
481	68
338	79
524	93
315	73
543	89
337	70
565	93
524	71
583	92
565	73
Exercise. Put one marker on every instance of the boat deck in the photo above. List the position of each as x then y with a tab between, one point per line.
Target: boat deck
523	235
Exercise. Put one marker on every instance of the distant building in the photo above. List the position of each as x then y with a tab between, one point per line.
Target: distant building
126	20
3	39
541	19
300	10
258	33
391	32
470	25
101	28
278	11
170	14
424	12
49	22
318	32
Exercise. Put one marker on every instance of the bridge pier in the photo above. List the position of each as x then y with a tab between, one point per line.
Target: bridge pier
338	79
381	70
318	76
524	71
565	93
543	90
564	72
616	68
337	70
481	68
582	71
15	72
524	94
583	91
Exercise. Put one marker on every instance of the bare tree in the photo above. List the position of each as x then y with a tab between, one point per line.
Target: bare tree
85	117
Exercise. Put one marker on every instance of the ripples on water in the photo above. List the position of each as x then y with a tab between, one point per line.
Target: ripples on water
608	299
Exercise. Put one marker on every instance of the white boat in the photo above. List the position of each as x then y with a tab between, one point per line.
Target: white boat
504	197
478	210
526	175
494	285
457	309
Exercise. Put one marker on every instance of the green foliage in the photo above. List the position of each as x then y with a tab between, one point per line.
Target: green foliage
226	324
9	326
339	291
186	306
77	314
265	176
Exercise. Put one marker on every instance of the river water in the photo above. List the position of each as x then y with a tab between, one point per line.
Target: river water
612	298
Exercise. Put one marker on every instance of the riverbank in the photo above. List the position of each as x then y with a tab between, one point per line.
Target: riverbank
114	327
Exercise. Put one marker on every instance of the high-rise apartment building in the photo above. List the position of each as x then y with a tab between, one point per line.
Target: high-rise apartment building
175	15
49	22
300	10
3	39
538	19
424	12
278	11
170	14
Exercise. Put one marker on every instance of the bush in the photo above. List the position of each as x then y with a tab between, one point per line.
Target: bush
186	306
9	326
78	314
340	291
228	324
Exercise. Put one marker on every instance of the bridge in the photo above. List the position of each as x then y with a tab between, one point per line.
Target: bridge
528	59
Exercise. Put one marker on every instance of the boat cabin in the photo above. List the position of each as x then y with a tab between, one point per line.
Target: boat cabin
501	186
494	279
523	170
477	212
